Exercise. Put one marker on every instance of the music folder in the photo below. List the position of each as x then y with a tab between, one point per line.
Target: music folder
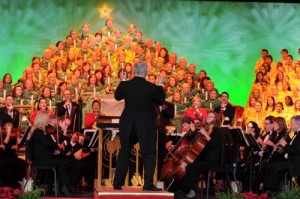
244	139
239	137
252	142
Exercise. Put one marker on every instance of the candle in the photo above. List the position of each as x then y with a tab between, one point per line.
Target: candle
94	90
206	95
174	67
202	90
79	85
198	85
131	39
84	56
108	34
122	65
31	99
184	100
55	88
133	54
116	46
94	66
50	104
74	43
61	53
66	77
156	54
175	109
76	91
49	65
257	118
21	102
108	80
4	93
100	45
210	105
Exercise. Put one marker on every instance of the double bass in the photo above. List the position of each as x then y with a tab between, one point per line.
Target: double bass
184	152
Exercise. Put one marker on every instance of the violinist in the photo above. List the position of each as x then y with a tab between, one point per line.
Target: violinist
58	128
210	155
83	159
42	106
274	170
8	113
9	157
40	148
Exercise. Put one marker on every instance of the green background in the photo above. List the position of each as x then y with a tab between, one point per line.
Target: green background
224	38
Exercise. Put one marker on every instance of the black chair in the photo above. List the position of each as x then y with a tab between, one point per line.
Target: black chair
34	168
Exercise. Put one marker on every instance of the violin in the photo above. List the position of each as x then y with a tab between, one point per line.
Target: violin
15	132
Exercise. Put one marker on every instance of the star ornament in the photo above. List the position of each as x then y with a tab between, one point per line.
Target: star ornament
105	11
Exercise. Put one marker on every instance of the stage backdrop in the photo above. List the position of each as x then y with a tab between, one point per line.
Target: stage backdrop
224	38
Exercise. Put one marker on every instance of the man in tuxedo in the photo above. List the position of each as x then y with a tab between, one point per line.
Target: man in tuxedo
275	169
226	110
138	124
69	108
8	114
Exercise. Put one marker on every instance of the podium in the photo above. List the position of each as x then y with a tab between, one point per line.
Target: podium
106	192
104	122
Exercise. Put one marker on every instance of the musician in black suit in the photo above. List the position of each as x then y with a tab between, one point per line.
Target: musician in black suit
69	108
209	157
274	170
226	110
137	123
8	114
40	147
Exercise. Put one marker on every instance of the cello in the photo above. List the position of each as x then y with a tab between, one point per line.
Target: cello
184	152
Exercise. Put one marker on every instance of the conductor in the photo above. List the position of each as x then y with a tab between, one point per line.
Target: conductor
137	124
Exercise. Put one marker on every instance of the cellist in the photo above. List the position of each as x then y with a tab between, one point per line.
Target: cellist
210	155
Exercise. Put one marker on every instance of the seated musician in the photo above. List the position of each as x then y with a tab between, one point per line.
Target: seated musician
275	170
13	165
41	147
279	131
210	155
91	118
82	157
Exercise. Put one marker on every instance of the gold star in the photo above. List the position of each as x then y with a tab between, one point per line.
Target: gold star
105	11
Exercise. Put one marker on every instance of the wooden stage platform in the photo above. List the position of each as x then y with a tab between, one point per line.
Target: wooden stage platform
138	193
125	193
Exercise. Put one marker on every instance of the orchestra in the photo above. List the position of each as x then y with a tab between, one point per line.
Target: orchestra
64	88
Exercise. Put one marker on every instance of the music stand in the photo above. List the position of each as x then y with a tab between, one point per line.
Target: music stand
93	135
246	140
